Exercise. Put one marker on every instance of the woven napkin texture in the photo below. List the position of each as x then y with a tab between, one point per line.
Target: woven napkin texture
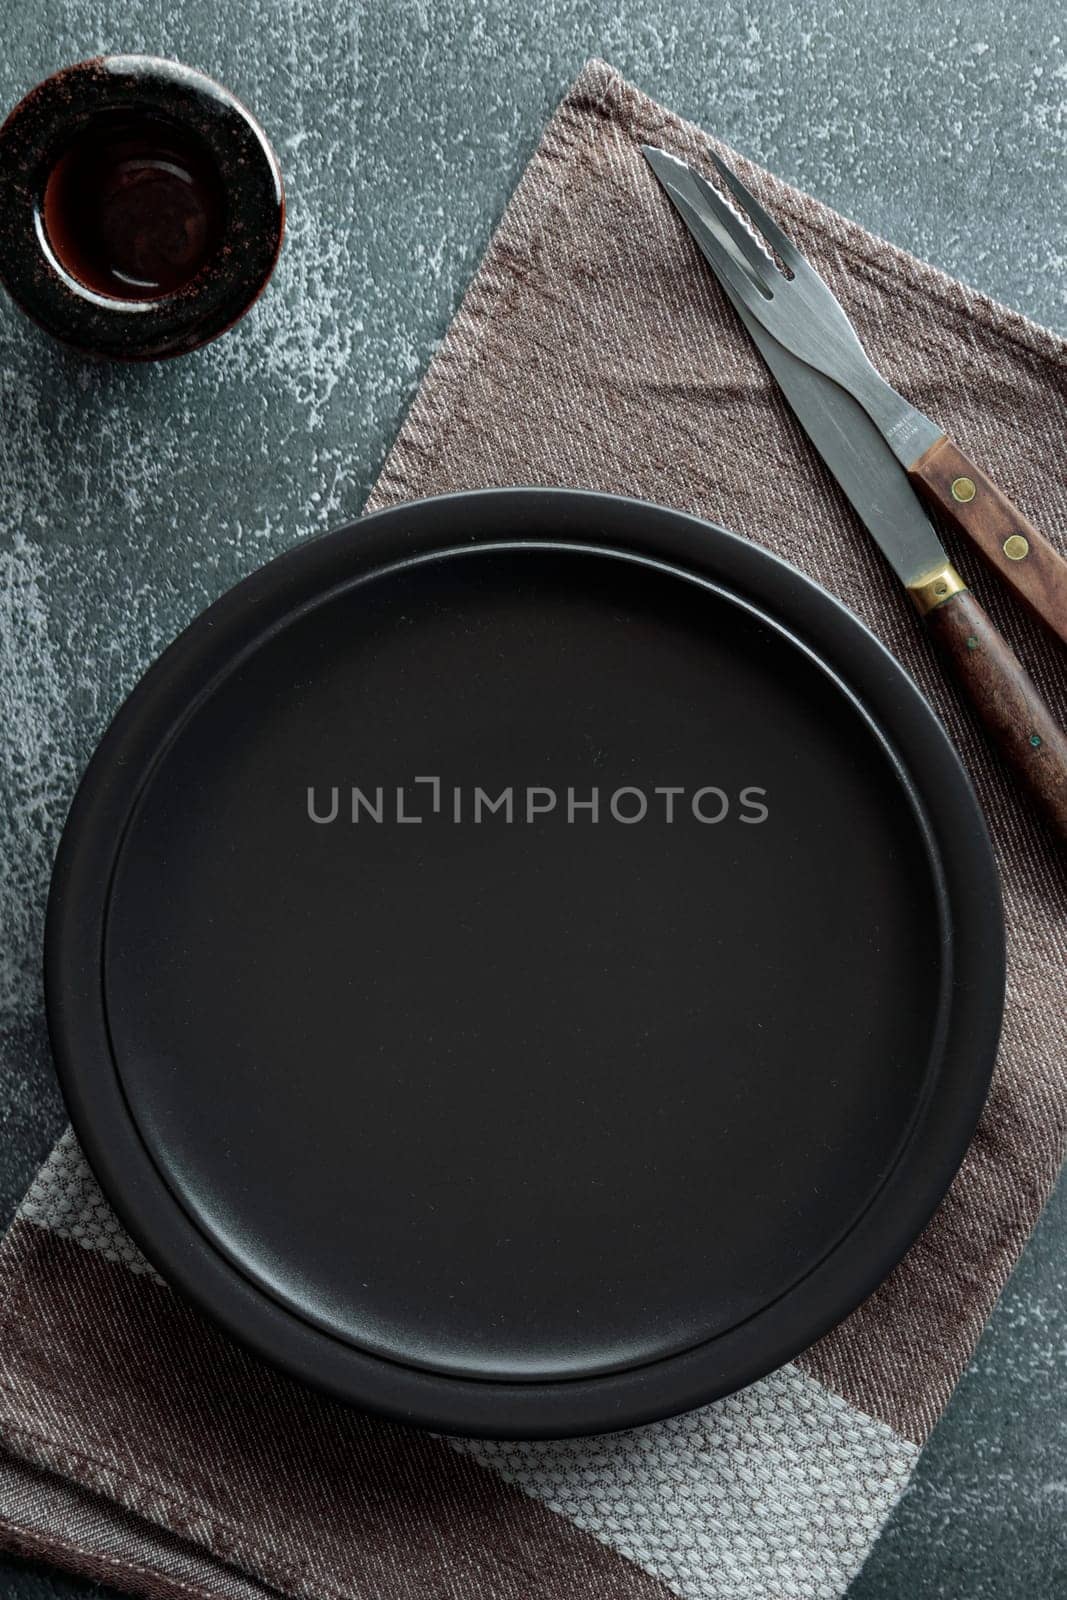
141	1446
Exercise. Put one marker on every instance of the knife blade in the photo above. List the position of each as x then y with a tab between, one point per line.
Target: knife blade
865	466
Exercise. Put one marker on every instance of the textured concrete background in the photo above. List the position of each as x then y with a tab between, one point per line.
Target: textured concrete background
133	497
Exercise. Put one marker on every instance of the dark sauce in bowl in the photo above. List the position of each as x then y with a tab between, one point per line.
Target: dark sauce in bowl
134	208
141	207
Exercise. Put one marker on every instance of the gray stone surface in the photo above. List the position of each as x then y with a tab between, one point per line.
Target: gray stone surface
133	497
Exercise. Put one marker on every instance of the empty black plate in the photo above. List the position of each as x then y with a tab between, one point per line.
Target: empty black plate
528	962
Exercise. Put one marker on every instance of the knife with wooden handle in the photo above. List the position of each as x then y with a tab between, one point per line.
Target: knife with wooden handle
865	454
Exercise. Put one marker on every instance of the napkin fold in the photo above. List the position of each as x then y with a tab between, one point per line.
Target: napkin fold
139	1446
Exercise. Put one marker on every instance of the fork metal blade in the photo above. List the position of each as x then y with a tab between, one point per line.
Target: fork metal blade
801	312
850	444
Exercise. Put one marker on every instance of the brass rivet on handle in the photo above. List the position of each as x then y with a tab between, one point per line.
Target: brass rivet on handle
1016	547
963	489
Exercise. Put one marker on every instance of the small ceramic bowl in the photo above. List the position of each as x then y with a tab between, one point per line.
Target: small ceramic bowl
141	207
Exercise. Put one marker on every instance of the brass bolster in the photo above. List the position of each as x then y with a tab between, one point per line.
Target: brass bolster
934	588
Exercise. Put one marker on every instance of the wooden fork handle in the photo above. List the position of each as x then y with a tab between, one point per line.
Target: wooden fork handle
1001	692
1012	545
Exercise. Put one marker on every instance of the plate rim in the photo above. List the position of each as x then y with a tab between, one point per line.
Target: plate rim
489	1406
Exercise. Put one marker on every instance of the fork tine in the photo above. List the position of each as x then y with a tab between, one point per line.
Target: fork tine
719	231
778	240
734	227
744	283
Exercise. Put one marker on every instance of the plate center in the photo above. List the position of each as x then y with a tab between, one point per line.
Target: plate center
532	1088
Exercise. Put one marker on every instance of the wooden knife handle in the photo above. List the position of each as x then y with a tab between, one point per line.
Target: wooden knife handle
1012	545
1002	694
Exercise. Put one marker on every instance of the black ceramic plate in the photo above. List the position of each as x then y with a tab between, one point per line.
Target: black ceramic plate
535	1119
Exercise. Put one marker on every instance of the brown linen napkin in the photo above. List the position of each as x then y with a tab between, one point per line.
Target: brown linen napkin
140	1446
